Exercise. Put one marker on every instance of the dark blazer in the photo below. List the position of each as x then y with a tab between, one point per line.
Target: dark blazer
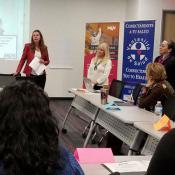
157	92
28	56
169	64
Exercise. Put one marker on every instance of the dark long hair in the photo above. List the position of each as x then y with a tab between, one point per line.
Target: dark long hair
171	45
41	42
28	131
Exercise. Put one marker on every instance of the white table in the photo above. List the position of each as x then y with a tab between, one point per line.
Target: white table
119	123
98	169
153	136
82	102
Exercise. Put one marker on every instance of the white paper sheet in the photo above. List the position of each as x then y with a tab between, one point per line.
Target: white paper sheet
37	66
128	166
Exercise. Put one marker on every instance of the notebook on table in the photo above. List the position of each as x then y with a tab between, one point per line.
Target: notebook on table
123	103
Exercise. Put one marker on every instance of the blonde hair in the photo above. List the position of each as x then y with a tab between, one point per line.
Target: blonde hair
105	47
155	72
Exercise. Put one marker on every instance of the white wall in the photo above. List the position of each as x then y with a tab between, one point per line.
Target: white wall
149	10
62	23
63	27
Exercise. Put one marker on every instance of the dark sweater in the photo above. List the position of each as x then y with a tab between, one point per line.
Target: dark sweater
157	92
169	64
163	160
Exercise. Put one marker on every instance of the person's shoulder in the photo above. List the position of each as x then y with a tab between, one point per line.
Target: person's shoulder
157	87
167	85
171	133
45	48
169	137
157	59
64	152
72	167
27	45
171	59
159	84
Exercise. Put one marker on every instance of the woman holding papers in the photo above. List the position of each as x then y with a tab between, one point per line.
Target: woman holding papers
35	55
29	135
156	89
100	67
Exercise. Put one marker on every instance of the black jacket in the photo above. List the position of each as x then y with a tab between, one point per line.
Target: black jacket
169	64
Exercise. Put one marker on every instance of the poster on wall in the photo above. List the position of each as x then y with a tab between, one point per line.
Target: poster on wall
8	46
97	33
137	53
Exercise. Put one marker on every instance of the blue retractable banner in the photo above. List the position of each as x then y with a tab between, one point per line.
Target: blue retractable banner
137	52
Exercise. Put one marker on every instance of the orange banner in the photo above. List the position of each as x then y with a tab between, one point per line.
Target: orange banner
97	33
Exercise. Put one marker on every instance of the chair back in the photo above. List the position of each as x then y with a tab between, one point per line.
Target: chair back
169	107
116	88
136	92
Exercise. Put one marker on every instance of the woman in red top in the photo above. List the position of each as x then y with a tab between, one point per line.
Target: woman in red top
36	48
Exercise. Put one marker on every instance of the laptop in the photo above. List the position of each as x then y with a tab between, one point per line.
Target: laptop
89	86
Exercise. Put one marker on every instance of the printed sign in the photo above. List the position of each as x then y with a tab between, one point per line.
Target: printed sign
8	46
137	51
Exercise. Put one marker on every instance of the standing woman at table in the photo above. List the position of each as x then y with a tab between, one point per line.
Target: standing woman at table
100	67
167	58
36	48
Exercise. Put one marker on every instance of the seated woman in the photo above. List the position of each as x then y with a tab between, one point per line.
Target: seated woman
29	142
156	89
163	158
100	67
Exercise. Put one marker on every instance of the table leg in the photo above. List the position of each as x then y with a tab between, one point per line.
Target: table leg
65	119
92	127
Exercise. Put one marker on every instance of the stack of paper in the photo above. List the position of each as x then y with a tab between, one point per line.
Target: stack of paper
128	166
37	66
94	155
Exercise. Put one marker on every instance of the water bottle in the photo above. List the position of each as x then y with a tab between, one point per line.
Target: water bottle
158	109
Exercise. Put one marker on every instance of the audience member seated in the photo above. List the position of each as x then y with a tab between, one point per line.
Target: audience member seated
29	142
167	58
163	158
156	89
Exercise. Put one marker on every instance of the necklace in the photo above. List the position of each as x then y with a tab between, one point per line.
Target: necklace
96	64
